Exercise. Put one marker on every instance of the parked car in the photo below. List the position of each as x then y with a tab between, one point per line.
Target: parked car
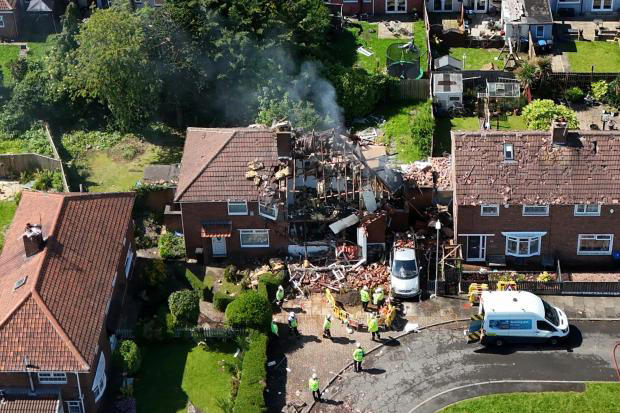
404	272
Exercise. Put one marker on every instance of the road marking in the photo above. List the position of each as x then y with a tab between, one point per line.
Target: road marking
501	382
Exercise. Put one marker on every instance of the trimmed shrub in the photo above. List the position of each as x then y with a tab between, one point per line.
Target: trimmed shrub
128	357
574	94
184	306
231	274
599	90
196	283
171	246
221	300
540	113
250	396
250	310
268	285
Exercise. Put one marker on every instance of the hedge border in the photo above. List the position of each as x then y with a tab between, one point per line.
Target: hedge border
251	394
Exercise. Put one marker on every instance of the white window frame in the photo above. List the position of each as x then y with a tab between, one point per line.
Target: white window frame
584	210
542	28
509	148
596	237
483	247
569	1
52	377
535	214
74	406
263	208
238	203
489	214
529	237
1	21
128	262
253	231
100	381
354	1
603	9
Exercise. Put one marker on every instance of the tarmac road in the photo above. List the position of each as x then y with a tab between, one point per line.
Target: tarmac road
429	370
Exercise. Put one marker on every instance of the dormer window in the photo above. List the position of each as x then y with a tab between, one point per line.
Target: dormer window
509	153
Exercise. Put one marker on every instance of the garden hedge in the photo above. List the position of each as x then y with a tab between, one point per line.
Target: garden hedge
250	310
221	300
250	396
268	285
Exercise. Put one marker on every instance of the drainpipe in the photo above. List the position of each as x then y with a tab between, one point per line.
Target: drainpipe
77	376
27	366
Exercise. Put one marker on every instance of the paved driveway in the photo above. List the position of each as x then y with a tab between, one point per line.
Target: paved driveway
429	370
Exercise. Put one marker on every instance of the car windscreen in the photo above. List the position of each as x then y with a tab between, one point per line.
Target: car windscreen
551	313
404	269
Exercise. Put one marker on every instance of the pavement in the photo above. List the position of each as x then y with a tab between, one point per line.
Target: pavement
427	371
296	359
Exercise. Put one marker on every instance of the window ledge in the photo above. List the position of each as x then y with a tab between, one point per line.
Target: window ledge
594	253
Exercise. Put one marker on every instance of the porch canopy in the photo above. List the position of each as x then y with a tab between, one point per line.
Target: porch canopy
216	229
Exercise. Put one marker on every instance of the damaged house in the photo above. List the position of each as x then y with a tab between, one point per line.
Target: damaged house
65	266
534	198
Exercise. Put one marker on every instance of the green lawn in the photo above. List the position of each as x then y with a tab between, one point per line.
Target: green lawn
605	56
344	47
598	398
7	210
7	53
475	58
38	49
173	373
113	175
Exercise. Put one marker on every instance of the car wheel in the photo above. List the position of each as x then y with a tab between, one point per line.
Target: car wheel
553	341
499	342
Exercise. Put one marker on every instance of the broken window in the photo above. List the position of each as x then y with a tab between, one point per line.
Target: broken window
254	238
593	244
237	208
268	211
588	209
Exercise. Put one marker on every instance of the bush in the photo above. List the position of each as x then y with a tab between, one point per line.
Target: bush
268	285
128	357
250	310
250	396
195	282
231	274
221	300
79	142
46	180
540	113
599	90
184	307
574	94
544	277
171	246
153	273
418	144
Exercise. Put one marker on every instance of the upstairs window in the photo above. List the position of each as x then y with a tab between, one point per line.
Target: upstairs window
237	208
52	377
100	381
535	210
588	209
540	31
491	210
268	211
509	152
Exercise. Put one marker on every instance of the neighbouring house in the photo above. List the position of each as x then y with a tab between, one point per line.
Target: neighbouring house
10	18
138	4
592	8
63	276
524	17
352	7
533	198
447	63
231	191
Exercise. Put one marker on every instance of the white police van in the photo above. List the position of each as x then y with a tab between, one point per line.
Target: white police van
519	316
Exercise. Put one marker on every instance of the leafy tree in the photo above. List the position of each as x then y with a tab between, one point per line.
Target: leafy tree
418	144
184	307
541	112
112	67
128	357
250	310
301	114
171	245
574	94
599	90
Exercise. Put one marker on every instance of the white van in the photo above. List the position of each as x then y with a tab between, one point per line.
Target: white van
404	273
519	316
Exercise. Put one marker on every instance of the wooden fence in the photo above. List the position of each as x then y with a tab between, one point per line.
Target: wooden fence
12	165
608	289
63	175
411	89
581	80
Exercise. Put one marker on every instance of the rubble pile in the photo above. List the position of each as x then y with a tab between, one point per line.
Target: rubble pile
265	180
432	173
372	276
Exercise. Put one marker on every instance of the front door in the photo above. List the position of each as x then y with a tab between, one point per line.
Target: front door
396	6
602	5
476	247
219	246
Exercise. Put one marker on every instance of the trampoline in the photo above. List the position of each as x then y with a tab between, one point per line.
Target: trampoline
403	61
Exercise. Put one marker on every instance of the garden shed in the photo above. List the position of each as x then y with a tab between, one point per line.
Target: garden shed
448	90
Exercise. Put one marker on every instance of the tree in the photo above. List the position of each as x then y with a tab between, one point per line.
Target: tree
526	74
184	307
541	112
250	310
301	114
128	357
112	67
418	144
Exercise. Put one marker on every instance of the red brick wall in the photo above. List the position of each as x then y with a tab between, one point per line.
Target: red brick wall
11	25
352	8
193	214
561	225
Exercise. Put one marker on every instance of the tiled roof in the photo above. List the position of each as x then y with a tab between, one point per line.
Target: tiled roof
56	317
7	4
26	405
215	162
586	170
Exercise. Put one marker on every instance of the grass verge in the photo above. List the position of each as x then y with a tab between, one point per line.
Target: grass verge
7	211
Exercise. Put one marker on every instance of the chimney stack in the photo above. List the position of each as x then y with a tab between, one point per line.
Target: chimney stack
33	239
559	131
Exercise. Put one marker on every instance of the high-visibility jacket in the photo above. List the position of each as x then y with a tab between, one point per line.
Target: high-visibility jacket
364	296
327	324
274	328
377	297
313	384
279	295
292	322
373	325
358	354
